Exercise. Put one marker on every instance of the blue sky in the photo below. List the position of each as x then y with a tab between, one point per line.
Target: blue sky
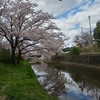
71	15
74	10
79	96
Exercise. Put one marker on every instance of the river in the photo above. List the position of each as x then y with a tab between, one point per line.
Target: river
69	82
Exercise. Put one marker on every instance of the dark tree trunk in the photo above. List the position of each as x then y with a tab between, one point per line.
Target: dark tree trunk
19	56
14	43
13	59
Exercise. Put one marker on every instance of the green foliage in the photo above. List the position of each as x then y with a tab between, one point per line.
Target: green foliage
4	55
19	83
74	51
96	34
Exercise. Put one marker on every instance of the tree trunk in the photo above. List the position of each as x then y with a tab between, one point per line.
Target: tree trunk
13	59
19	57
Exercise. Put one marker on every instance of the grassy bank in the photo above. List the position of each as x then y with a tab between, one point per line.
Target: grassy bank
19	83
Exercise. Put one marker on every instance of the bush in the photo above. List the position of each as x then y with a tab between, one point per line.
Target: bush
74	51
4	55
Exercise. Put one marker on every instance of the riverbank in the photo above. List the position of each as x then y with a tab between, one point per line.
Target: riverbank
92	60
19	83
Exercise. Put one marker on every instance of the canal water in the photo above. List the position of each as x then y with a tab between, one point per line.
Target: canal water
69	82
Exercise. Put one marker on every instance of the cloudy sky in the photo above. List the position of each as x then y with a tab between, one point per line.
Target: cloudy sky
71	15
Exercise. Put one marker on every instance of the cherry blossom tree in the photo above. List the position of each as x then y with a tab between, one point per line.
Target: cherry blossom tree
29	30
83	39
3	5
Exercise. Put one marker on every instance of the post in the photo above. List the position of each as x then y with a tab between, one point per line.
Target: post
81	29
90	30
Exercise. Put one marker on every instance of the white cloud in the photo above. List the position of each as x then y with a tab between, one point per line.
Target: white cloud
57	7
75	16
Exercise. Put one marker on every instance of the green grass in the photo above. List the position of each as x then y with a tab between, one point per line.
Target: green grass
18	82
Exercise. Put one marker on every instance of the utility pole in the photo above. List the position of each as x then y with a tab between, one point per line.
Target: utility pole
90	30
89	23
81	29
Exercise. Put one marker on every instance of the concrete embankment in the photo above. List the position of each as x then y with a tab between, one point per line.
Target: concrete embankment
86	59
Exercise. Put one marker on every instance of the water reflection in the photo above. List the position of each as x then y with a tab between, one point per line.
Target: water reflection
91	90
86	81
69	83
51	79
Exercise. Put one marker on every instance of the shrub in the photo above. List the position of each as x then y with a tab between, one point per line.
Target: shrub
74	51
4	55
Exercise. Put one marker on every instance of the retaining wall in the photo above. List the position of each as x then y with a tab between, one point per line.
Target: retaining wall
88	59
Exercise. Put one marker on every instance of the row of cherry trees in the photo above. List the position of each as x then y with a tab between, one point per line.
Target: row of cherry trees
26	30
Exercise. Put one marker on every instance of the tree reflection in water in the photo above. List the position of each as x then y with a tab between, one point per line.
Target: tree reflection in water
89	89
51	79
54	82
72	85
